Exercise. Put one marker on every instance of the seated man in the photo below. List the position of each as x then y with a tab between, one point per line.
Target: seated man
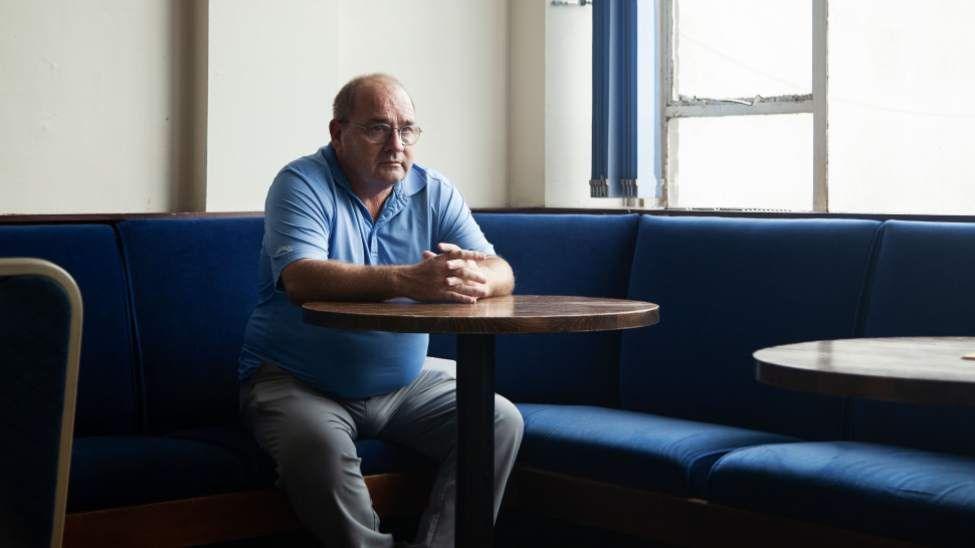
358	220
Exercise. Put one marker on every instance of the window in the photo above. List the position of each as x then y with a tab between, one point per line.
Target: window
742	98
810	105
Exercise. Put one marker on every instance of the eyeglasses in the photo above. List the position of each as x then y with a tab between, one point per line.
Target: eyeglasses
378	134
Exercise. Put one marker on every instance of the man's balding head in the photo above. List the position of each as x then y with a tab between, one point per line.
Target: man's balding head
344	104
371	161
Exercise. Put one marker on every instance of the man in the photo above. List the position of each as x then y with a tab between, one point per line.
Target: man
359	221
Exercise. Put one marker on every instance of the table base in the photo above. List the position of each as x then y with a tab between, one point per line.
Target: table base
475	441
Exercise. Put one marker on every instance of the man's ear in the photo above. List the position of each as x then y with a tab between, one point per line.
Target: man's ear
335	130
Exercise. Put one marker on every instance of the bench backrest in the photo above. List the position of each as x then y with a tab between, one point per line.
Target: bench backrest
923	284
108	380
194	284
587	255
727	287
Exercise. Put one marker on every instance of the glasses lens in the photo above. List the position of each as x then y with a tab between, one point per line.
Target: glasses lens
377	133
409	134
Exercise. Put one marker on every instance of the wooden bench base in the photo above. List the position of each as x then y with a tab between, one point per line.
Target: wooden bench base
672	520
654	516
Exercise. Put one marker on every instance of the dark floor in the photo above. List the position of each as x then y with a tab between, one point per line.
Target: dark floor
514	530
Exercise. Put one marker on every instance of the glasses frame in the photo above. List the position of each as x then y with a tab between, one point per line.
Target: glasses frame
388	131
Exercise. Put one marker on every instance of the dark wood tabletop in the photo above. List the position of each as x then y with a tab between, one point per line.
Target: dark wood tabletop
930	370
511	314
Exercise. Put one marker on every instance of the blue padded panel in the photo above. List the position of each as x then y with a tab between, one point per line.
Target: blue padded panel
627	448
34	333
923	284
111	471
108	472
107	401
891	491
587	255
194	285
728	287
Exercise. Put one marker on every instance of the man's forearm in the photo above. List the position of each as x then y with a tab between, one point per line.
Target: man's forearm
316	280
501	279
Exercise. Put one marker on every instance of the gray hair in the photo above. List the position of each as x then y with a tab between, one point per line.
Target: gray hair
344	102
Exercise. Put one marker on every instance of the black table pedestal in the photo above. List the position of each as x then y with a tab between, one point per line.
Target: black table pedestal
475	444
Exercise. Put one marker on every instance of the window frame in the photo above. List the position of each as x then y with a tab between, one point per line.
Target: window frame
672	106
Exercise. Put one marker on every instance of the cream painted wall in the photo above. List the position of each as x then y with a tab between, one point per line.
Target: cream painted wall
272	68
568	108
95	109
551	103
527	96
275	68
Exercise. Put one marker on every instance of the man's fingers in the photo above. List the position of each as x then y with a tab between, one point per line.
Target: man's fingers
459	268
473	290
429	255
459	297
455	252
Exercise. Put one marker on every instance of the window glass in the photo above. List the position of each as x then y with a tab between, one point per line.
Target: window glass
743	162
740	49
901	114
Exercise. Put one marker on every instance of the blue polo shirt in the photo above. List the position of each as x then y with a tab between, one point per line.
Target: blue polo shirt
312	213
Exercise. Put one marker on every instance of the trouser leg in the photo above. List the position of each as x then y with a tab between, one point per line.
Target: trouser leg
423	416
310	438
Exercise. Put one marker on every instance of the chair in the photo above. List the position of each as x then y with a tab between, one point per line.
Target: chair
40	345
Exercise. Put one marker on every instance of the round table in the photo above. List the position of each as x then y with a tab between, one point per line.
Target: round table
931	370
476	325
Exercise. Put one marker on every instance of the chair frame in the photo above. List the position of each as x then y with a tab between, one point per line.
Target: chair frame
24	266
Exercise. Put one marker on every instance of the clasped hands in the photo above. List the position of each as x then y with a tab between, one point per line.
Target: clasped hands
454	274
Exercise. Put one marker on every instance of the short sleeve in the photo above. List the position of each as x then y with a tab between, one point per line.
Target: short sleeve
456	223
296	223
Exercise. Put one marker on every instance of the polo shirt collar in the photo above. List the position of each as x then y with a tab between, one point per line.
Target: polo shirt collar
411	184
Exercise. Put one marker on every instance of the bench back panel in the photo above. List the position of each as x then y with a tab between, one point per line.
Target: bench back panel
923	285
727	287
108	382
558	254
194	283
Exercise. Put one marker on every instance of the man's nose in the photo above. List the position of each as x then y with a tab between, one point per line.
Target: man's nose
394	141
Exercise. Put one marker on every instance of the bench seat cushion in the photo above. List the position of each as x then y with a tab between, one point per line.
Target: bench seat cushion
113	471
628	448
905	493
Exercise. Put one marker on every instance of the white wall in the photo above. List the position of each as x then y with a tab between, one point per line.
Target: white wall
526	116
95	109
568	108
551	106
274	69
171	105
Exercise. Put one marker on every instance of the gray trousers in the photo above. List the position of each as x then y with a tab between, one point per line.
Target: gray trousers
310	437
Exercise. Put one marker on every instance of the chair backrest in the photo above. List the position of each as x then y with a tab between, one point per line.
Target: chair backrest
40	334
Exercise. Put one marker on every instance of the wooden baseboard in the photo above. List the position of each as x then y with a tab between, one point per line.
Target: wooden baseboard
225	517
672	520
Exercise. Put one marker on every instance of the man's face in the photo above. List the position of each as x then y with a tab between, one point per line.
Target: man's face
375	164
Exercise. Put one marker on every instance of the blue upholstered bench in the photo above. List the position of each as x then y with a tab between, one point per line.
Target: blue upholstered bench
660	432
